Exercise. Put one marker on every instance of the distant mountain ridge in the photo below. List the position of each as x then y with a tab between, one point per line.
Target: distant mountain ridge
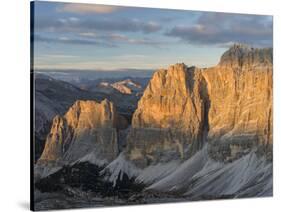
88	78
126	86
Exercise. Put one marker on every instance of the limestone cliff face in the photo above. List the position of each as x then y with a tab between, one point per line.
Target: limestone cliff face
240	92
172	99
229	106
170	115
88	127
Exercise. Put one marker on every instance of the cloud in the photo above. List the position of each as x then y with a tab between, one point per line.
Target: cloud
224	29
122	39
74	24
125	25
109	40
87	8
102	32
74	41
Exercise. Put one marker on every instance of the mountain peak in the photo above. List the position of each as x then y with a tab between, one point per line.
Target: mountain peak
242	55
178	66
240	46
126	86
89	127
91	114
162	102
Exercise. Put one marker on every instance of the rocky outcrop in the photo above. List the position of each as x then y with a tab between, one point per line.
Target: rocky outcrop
170	116
53	97
87	130
240	92
242	56
228	106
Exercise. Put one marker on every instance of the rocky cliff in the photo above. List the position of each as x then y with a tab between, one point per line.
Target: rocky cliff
228	106
171	115
240	93
88	130
54	97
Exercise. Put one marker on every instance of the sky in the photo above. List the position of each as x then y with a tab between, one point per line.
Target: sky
99	37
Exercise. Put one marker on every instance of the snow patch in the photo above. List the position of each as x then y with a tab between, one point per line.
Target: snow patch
154	173
229	179
118	168
182	175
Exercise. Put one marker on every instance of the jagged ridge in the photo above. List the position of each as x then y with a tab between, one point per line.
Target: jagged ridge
240	55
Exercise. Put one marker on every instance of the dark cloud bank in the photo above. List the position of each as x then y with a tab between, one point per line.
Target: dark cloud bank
224	29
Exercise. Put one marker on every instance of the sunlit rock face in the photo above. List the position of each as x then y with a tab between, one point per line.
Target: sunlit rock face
171	115
172	99
228	106
54	97
240	92
88	129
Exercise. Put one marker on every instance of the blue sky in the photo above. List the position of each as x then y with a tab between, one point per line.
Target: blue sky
99	37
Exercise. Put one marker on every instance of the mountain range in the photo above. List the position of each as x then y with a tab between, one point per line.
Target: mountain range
54	97
193	134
